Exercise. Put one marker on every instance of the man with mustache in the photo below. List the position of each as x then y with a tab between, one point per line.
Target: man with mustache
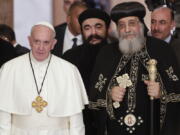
162	23
120	79
94	25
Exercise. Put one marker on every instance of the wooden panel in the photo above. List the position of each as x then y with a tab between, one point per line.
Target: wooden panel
6	12
59	15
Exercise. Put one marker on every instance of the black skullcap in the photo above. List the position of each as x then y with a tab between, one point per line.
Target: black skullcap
94	13
126	9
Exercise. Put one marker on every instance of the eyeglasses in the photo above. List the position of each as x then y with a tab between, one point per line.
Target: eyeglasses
131	23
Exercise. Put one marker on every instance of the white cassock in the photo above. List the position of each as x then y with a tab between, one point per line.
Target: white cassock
63	89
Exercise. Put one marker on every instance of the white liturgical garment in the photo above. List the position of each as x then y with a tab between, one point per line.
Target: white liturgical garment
63	89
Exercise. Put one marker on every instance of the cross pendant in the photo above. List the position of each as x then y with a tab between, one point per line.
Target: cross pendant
123	81
39	104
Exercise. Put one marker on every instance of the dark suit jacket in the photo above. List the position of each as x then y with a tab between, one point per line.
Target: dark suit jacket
7	52
175	43
20	50
60	32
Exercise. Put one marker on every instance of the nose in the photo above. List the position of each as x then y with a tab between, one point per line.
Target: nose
93	31
155	26
127	29
41	46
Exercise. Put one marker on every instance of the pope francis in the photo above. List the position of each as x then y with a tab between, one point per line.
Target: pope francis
41	94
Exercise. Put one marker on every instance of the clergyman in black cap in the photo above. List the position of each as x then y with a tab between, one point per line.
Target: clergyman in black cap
121	85
94	25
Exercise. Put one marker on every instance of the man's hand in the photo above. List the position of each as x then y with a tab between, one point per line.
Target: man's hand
153	89
117	93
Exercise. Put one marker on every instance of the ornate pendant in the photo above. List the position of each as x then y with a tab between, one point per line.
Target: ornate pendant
131	122
39	104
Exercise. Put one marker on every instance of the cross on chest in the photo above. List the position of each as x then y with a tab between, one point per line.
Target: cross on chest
124	81
39	104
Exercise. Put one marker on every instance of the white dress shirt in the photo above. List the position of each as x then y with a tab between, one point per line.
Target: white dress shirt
168	39
68	40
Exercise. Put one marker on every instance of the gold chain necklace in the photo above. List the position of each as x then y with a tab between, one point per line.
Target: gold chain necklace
39	103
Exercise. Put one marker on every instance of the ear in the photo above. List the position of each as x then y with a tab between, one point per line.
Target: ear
68	19
173	24
30	41
53	44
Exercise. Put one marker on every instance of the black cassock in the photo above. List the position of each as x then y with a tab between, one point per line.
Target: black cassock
84	57
133	115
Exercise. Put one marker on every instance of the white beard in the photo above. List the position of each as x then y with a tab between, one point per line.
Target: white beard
131	46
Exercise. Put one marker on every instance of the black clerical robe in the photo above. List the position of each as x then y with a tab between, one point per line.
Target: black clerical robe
133	115
84	57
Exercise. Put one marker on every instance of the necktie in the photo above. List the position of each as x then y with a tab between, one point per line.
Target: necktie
74	42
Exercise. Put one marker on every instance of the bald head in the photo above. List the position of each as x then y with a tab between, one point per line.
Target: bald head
162	22
72	18
67	4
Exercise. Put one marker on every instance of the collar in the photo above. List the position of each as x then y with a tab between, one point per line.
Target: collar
168	39
71	36
39	63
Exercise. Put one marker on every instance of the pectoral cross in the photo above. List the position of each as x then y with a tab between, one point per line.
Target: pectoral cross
123	82
39	104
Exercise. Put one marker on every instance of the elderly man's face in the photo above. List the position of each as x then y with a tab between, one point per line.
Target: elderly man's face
131	35
94	30
161	23
41	41
128	27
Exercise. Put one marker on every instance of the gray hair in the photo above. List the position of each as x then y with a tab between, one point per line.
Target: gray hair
134	45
